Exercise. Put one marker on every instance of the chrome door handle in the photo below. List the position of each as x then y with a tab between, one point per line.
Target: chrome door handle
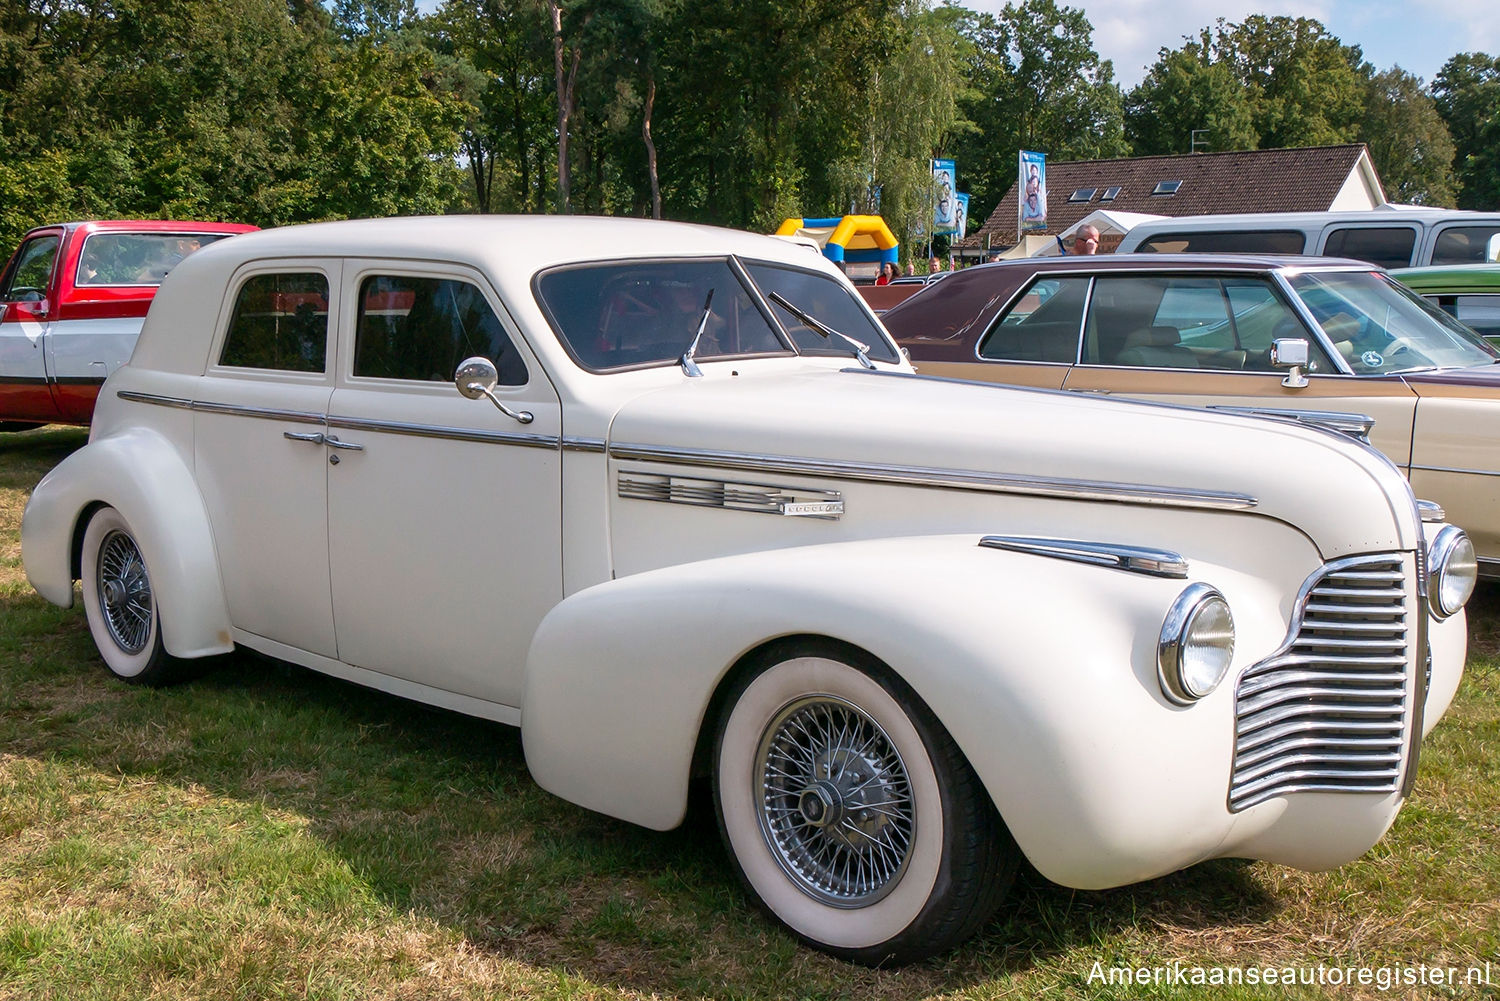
316	437
332	440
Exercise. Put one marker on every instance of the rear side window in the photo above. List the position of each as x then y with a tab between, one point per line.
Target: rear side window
1480	311
422	328
1467	245
1389	247
1042	325
280	322
28	282
1288	241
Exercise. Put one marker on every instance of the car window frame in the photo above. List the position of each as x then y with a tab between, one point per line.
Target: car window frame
357	269
998	320
14	264
1385	224
330	270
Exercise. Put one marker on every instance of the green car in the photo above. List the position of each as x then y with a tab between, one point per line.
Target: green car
1469	292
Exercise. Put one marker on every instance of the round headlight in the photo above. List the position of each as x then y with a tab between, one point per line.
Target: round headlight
1452	571
1197	642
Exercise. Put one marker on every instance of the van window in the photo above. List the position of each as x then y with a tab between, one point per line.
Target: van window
1277	241
1389	247
1464	244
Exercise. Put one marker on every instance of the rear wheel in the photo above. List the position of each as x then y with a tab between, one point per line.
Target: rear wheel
851	814
120	604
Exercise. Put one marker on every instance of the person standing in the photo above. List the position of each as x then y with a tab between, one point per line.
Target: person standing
1086	240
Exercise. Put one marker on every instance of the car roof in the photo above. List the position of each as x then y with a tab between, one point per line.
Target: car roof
150	226
1174	262
1389	215
1450	276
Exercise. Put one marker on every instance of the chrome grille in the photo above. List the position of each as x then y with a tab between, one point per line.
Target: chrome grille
1327	712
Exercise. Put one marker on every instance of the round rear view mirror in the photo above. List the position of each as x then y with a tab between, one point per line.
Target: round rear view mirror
476	377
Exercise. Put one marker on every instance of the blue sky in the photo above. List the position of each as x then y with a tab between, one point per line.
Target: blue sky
1417	35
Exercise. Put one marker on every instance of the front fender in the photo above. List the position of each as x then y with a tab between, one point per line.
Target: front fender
139	473
1043	671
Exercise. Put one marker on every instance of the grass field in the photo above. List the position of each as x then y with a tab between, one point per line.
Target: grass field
265	832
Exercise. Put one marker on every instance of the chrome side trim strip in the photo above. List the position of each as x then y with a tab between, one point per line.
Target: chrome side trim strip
445	432
1450	469
955	479
1135	559
757	498
152	398
1431	511
1355	425
296	416
574	444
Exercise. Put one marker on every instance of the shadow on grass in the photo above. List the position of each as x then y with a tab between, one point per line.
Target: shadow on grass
437	814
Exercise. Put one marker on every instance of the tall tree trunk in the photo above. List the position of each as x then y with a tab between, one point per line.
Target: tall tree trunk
565	81
651	147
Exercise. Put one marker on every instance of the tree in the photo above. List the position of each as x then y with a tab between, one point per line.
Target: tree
1409	143
1185	91
1467	94
1037	84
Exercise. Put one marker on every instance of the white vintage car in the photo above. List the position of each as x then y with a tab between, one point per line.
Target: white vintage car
669	498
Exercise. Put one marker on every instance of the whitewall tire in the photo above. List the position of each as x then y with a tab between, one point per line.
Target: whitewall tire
120	604
850	813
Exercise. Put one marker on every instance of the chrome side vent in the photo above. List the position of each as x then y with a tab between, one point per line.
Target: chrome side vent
758	498
1327	712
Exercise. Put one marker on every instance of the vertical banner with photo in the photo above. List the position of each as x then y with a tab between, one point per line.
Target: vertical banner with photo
961	215
1033	191
944	180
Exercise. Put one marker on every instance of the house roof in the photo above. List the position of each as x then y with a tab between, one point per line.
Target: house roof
1265	180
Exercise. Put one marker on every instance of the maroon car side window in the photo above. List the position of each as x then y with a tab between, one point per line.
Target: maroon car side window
1041	325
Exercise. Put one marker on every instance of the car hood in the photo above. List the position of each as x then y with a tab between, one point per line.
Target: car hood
938	433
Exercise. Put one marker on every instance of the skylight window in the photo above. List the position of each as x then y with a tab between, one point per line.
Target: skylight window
1110	194
1166	187
1082	194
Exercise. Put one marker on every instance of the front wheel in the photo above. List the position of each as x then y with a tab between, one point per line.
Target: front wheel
851	814
120	604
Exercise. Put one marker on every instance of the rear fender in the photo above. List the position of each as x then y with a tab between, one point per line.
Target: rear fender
140	474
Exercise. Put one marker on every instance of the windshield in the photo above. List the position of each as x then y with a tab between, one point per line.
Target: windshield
1379	326
630	314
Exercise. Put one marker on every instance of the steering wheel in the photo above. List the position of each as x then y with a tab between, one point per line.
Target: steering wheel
1397	345
25	293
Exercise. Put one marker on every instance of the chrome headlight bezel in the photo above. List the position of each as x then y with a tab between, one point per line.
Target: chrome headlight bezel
1450	562
1174	647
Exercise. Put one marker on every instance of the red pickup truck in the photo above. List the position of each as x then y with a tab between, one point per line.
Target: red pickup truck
72	299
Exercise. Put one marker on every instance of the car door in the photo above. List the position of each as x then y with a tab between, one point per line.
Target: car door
1205	340
25	394
445	515
258	421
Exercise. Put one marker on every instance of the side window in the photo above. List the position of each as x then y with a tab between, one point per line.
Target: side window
1218	324
1482	312
1389	247
1042	325
422	328
280	322
1288	241
1467	245
28	283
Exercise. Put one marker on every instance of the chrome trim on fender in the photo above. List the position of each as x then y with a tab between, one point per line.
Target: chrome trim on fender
1451	469
1135	559
1356	426
758	498
446	432
956	479
152	398
1431	511
573	444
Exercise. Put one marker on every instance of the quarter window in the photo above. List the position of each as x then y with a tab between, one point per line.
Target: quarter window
1389	247
29	281
280	322
1042	325
1467	244
422	328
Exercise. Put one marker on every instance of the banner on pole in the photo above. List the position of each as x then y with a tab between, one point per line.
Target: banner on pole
1033	191
944	180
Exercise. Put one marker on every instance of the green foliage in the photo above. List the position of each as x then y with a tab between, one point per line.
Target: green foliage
1408	141
1037	84
1467	91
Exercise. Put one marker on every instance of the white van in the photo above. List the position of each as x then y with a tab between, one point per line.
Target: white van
1390	237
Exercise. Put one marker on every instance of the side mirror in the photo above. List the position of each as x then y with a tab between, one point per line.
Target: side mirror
477	377
1290	353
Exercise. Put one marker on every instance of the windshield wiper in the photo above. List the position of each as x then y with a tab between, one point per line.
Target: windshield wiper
686	361
860	350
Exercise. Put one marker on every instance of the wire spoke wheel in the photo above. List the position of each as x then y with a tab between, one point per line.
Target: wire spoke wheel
837	812
124	592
